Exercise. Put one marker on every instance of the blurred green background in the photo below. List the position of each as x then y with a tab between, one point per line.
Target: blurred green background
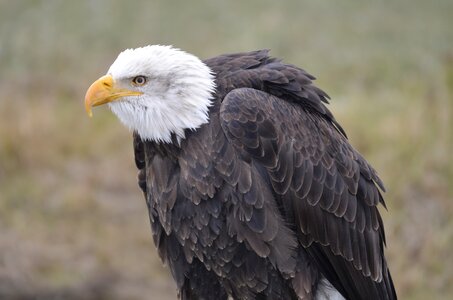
73	223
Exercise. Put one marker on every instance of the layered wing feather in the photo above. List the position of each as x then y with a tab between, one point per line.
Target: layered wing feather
327	190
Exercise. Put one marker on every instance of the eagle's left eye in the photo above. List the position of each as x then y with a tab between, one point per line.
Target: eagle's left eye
139	80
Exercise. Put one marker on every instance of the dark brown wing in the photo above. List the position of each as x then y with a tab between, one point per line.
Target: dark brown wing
326	189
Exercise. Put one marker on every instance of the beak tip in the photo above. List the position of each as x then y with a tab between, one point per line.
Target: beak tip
88	109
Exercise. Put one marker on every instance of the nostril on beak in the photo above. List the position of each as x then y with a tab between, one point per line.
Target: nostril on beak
106	81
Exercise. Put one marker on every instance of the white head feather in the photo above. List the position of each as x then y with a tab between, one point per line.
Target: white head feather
176	96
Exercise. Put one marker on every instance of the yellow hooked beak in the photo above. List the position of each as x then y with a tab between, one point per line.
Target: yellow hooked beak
103	91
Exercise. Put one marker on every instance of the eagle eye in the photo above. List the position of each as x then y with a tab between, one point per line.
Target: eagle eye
139	80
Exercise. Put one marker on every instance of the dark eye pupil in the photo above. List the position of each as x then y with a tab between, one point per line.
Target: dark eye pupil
139	80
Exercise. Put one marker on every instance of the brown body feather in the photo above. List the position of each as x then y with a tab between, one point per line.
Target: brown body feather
267	198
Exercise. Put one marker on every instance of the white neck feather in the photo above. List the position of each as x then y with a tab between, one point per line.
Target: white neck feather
177	96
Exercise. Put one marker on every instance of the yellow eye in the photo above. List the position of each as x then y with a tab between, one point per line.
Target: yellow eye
139	80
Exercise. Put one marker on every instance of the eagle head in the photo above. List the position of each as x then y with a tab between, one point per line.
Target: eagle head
156	91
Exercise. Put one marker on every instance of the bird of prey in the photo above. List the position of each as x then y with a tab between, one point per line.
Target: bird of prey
253	190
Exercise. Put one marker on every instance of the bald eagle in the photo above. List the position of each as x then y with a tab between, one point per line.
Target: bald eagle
253	189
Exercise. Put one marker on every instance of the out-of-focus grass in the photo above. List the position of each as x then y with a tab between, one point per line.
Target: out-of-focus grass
73	223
